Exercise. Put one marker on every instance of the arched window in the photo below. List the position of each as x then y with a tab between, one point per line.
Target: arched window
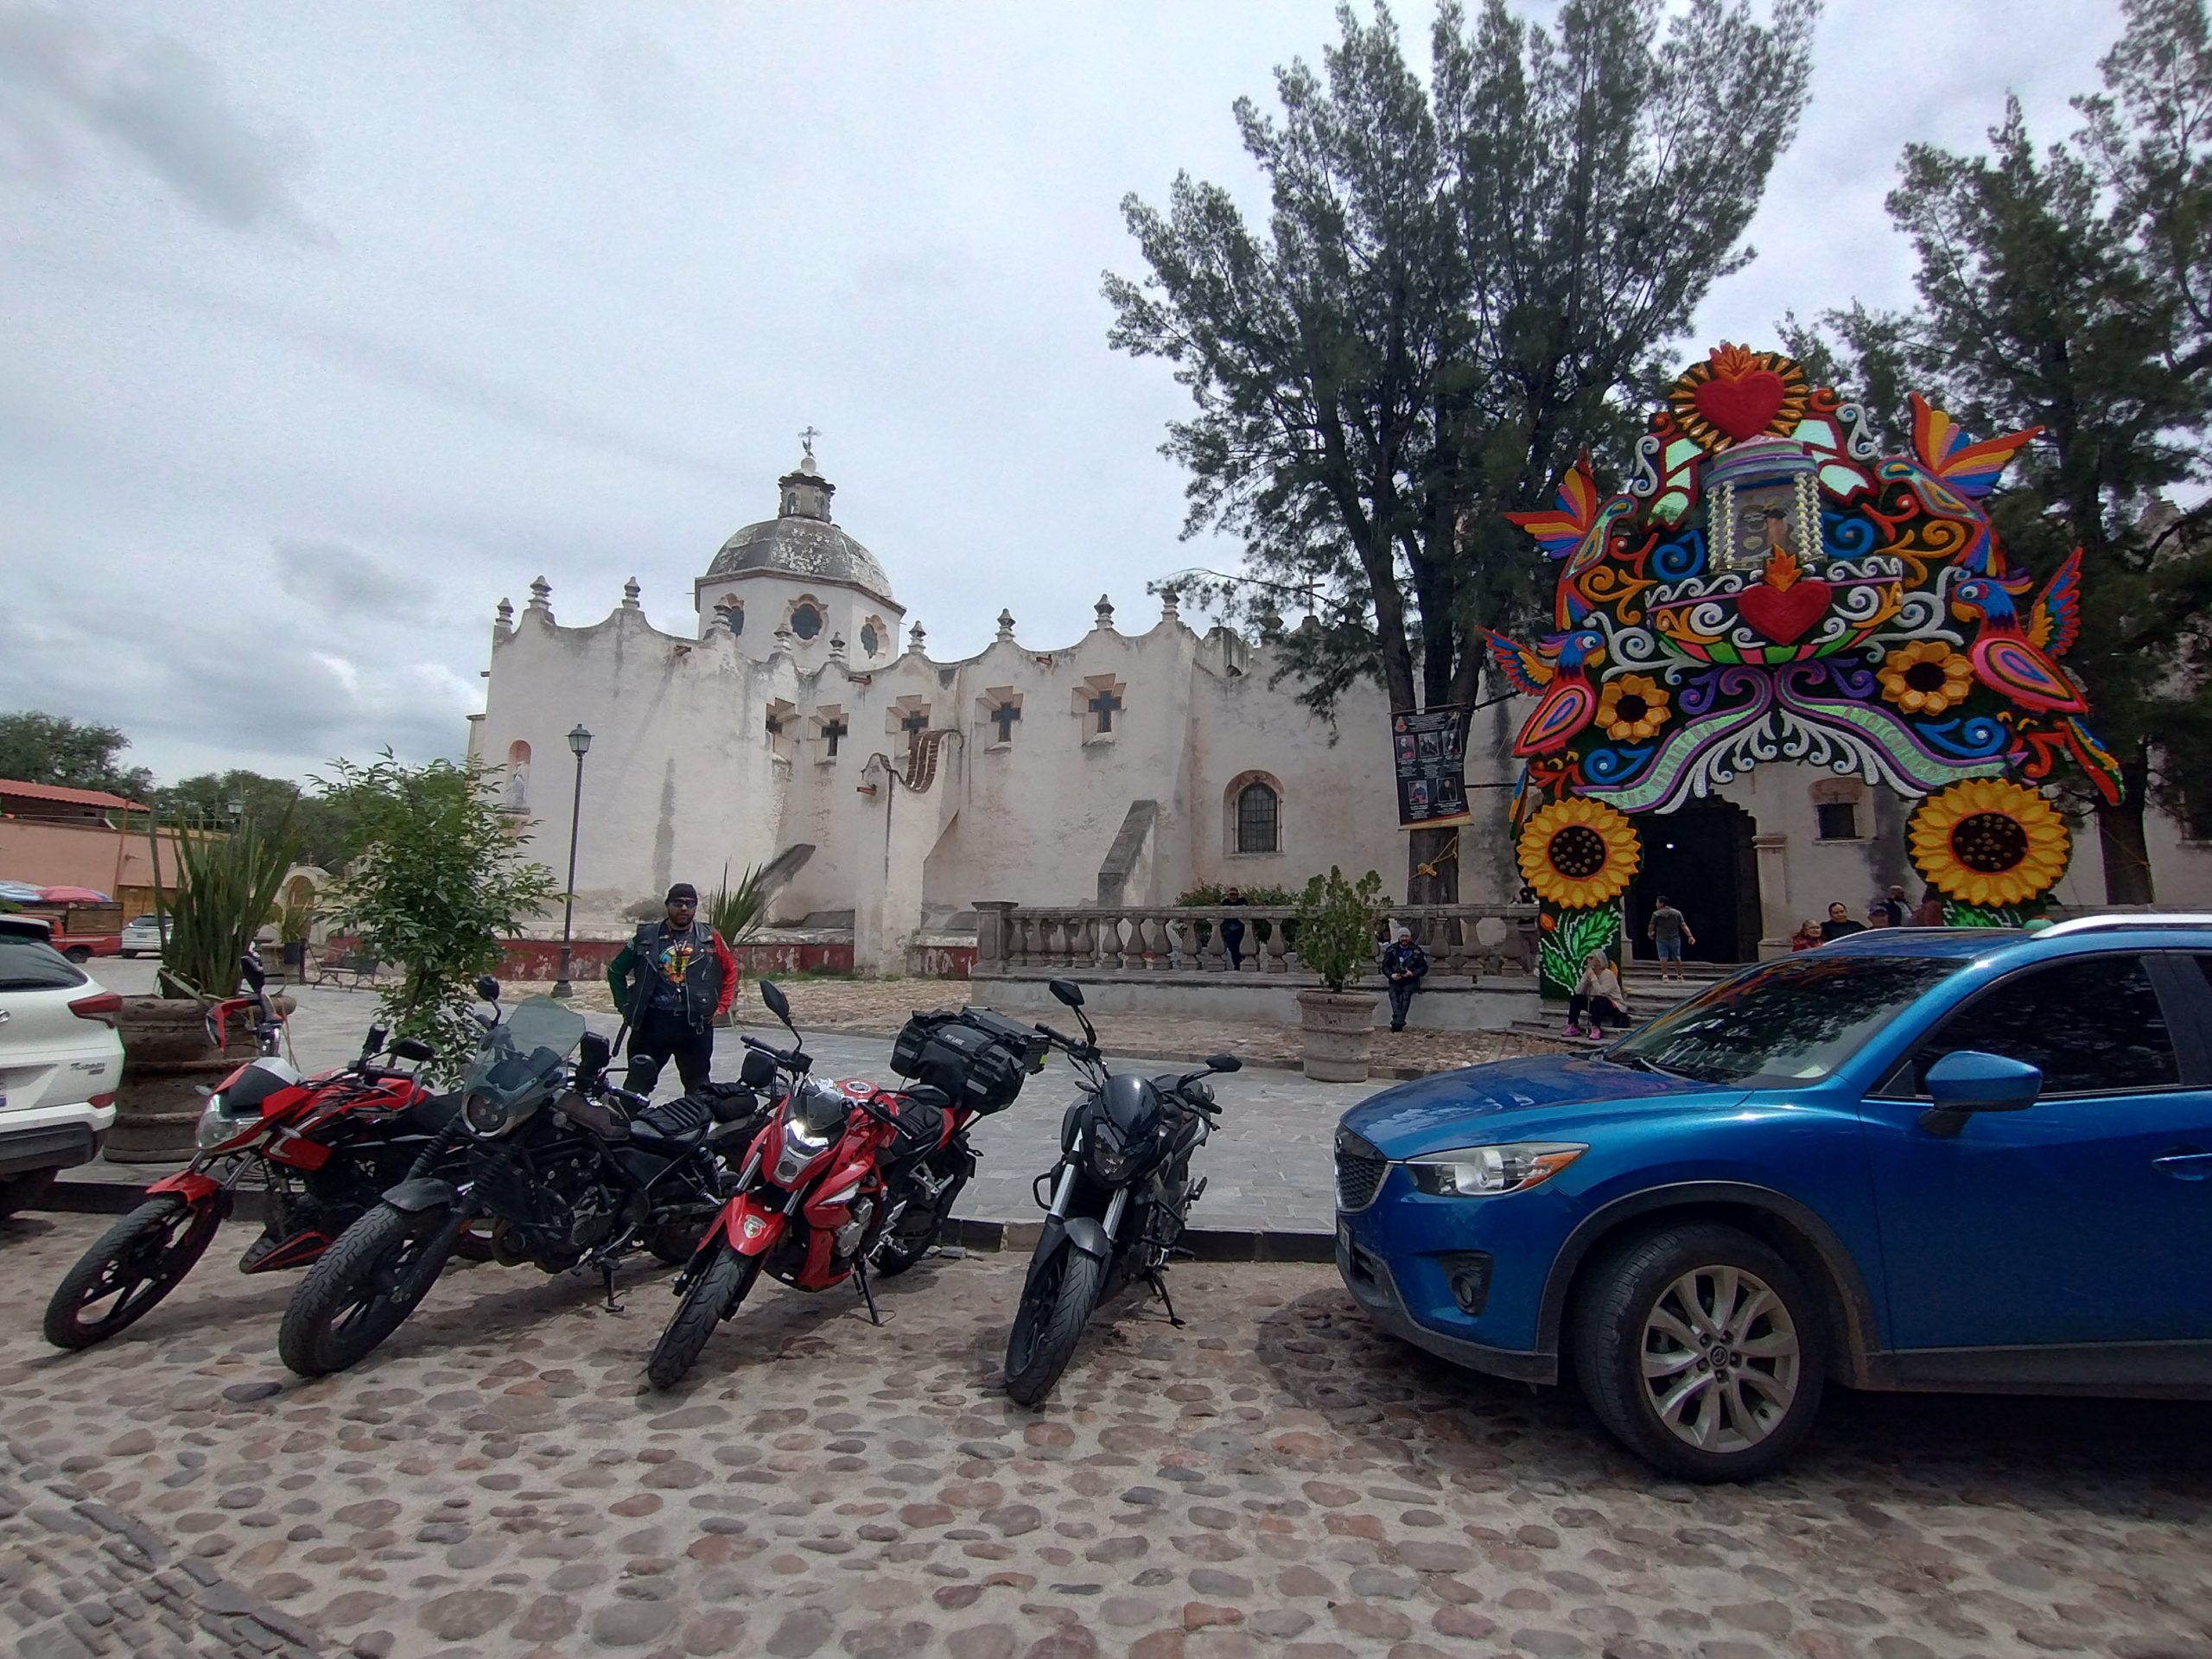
732	612
1259	819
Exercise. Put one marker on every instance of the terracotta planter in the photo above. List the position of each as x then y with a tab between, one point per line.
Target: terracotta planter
167	1058
1339	1031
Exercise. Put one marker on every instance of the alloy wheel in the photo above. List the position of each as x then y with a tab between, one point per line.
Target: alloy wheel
1721	1358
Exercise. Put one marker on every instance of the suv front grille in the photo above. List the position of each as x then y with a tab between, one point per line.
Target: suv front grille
1360	1170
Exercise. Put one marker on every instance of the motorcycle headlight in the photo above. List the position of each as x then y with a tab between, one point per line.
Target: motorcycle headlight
1111	1160
483	1114
214	1126
1491	1171
798	1143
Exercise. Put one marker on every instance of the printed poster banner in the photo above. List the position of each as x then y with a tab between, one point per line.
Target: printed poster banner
1431	751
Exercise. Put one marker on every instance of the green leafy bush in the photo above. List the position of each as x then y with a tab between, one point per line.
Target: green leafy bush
1336	925
442	880
1211	893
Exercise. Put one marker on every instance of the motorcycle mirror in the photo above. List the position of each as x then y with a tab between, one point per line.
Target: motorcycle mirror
779	1004
593	1053
407	1048
250	969
1224	1063
377	1034
488	988
1068	992
643	1074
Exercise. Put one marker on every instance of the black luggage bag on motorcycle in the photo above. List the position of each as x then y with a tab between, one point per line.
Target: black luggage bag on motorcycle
978	1057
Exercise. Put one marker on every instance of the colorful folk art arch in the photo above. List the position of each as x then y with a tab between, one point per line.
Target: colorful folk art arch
1770	586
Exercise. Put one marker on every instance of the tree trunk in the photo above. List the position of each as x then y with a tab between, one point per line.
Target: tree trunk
2127	850
1430	847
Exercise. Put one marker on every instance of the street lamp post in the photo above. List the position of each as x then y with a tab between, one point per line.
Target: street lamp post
579	744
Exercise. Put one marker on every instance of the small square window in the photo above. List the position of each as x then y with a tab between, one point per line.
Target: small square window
1839	820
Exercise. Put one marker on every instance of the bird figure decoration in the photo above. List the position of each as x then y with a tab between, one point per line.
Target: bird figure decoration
2020	661
1951	472
1558	671
1579	529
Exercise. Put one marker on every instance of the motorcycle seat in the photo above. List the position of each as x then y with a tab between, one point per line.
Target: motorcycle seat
673	1122
921	1125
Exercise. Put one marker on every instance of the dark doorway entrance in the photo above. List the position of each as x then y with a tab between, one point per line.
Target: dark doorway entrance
1701	856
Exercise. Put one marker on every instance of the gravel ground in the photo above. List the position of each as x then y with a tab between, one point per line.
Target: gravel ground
1273	1478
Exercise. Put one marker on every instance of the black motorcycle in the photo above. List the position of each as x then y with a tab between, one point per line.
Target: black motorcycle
1120	1197
571	1171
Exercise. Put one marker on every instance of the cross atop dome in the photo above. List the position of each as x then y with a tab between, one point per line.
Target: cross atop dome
807	437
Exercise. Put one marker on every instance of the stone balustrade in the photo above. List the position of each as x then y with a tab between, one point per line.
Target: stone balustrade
1478	940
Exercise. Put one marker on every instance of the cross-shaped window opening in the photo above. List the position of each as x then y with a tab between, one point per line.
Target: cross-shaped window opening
1103	705
1004	716
917	722
833	729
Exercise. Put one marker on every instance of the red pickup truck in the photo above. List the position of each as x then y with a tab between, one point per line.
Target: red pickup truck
82	932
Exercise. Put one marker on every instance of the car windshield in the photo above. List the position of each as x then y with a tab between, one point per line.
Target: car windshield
1791	1021
525	1050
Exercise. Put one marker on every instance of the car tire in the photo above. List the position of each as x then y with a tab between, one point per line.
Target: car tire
1702	1351
78	954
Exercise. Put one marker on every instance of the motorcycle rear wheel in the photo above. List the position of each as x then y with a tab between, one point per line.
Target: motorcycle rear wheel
717	1293
1049	1323
363	1288
132	1265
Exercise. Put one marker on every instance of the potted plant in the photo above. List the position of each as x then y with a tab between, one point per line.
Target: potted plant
739	912
1335	936
294	922
225	887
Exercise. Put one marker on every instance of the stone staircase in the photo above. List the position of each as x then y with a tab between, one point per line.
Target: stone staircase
1648	994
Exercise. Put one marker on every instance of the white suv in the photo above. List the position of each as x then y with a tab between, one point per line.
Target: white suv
60	1060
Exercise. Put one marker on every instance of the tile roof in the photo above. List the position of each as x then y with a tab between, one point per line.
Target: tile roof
11	788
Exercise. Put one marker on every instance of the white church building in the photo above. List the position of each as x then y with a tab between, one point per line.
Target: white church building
805	726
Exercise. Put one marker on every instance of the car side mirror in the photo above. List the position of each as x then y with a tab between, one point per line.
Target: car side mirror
488	988
1068	992
1224	1063
1968	1081
409	1048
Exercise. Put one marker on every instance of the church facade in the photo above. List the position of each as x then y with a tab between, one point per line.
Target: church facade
805	726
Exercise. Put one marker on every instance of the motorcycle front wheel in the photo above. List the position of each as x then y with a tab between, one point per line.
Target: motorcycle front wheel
364	1288
1049	1323
129	1269
717	1293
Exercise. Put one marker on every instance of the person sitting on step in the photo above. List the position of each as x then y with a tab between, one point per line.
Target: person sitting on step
1597	994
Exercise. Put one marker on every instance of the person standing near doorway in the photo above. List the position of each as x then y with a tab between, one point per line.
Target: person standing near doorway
1404	964
1838	925
1668	929
672	982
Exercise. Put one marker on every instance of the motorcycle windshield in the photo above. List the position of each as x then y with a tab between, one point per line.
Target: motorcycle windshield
523	1053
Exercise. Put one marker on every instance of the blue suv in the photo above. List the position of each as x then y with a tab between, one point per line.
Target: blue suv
1909	1158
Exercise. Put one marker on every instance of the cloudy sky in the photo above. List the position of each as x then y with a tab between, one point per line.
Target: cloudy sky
326	326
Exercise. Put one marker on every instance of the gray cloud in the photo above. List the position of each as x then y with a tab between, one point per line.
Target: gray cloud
156	106
341	580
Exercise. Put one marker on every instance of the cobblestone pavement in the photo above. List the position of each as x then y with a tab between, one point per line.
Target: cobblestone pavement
1272	1479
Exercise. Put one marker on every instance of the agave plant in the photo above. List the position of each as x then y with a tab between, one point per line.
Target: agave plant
225	887
739	912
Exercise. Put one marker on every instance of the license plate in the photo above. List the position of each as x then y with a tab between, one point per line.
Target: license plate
1343	1237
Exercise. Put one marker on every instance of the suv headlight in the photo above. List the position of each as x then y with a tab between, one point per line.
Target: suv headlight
1491	1171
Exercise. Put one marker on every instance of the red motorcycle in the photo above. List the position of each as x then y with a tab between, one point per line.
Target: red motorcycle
846	1181
325	1148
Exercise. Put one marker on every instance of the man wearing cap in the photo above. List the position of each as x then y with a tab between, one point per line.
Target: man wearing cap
673	979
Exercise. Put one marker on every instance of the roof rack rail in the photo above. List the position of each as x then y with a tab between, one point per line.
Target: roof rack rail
2141	918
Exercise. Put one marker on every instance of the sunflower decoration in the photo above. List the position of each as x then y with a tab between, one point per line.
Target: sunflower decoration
1580	854
1632	707
1990	843
1926	678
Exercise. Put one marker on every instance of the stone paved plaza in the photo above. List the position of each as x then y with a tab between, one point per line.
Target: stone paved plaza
1272	1479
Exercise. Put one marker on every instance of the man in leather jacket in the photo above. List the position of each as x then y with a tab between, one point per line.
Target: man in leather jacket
673	981
1404	964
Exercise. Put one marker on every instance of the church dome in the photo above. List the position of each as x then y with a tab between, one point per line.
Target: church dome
801	542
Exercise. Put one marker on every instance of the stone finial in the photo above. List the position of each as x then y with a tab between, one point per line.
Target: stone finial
783	638
915	637
1170	598
541	598
837	647
503	619
1105	609
1270	624
630	592
1006	625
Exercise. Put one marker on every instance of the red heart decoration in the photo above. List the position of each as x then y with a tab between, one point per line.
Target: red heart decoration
1784	614
1742	405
